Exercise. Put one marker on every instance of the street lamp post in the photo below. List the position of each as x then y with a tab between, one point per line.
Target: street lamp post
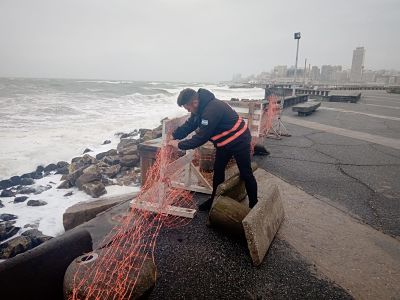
297	36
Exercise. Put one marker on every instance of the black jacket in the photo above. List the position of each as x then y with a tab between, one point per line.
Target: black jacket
212	118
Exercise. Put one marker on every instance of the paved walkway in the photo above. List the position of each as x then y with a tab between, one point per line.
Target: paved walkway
362	260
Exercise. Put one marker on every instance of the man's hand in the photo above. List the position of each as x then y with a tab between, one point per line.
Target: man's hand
173	143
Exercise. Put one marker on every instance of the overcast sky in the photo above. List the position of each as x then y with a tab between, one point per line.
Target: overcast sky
190	40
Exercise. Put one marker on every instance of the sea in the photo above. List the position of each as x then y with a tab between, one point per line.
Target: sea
44	121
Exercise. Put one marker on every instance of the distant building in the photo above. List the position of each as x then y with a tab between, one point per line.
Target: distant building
357	65
280	71
315	73
237	78
326	73
368	76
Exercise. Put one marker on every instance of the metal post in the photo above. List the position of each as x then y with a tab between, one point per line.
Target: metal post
296	37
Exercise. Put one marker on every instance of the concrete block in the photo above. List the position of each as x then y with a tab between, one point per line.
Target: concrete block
85	211
39	273
263	221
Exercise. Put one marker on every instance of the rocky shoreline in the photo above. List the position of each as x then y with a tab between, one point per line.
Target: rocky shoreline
89	173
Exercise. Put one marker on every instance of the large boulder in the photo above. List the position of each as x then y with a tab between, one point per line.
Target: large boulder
129	150
126	143
7	230
7	193
152	134
15	180
42	188
129	161
71	178
36	203
50	167
112	171
20	199
66	184
81	162
5	184
7	217
15	246
26	190
27	181
107	153
90	174
112	160
94	189
36	236
1	204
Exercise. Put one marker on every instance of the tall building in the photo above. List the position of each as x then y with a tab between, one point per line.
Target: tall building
326	73
357	64
280	71
315	73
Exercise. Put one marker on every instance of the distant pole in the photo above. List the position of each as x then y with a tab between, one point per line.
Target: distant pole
305	71
297	37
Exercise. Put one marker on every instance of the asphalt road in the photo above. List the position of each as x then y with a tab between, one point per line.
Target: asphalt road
358	177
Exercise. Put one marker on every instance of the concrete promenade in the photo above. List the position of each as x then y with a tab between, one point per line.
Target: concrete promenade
340	176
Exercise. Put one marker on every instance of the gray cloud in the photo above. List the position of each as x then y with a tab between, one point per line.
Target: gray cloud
190	40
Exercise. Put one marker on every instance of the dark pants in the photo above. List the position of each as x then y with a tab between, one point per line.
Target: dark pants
241	153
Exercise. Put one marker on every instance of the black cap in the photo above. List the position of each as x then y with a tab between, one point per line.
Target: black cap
185	96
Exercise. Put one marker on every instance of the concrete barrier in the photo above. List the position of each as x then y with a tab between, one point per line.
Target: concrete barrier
307	108
39	273
263	221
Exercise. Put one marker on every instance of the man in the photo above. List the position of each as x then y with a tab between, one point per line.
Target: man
220	124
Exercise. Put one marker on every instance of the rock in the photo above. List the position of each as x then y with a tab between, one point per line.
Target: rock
72	177
36	236
63	170
68	194
94	189
42	188
85	211
20	199
5	184
39	169
7	230
65	185
81	162
87	150
15	246
26	190
27	181
126	143
132	149
36	203
1	204
129	161
15	180
106	181
152	134
36	175
106	142
112	160
7	193
112	171
7	217
107	153
87	177
143	131
62	164
50	167
26	175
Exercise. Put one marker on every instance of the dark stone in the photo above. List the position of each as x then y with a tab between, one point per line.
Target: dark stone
5	184
7	230
43	267
112	171
20	199
111	160
7	193
36	236
39	169
36	203
94	189
15	180
26	190
15	246
36	175
50	167
143	131
26	175
68	194
63	170
8	217
106	142
27	181
87	150
107	153
129	161
86	178
1	204
61	164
